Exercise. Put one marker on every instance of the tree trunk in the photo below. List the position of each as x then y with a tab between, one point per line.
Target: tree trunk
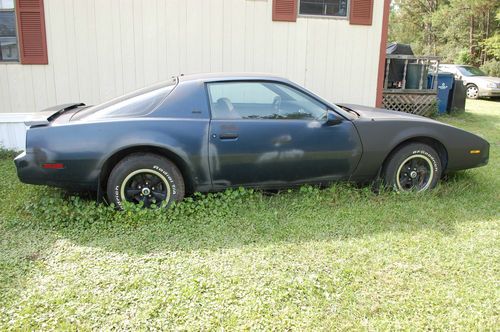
486	35
471	39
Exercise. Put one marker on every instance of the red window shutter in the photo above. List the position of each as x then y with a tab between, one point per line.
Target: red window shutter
285	10
32	35
361	12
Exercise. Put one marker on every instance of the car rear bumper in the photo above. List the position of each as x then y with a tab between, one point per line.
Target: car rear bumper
25	168
30	170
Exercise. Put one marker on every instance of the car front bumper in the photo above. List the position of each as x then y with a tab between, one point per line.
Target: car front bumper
489	92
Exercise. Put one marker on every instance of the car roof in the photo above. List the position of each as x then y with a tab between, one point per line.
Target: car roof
213	77
453	65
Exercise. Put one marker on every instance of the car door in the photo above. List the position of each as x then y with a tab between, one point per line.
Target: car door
270	134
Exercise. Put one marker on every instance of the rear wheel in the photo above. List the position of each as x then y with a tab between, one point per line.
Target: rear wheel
147	179
472	91
414	167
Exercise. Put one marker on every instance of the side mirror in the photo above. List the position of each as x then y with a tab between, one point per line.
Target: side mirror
332	119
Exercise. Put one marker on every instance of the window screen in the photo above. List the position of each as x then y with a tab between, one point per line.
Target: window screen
9	50
324	7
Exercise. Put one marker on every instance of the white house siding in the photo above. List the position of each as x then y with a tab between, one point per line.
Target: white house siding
99	49
12	130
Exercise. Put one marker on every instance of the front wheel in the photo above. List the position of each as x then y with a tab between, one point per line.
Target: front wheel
472	92
147	179
414	167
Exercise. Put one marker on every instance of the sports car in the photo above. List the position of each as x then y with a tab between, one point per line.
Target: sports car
203	133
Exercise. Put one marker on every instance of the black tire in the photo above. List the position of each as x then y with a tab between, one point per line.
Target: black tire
472	91
146	177
413	167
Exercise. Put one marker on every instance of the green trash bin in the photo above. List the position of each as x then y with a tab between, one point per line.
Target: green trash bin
414	74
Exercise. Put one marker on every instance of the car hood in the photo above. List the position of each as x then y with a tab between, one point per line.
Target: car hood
373	113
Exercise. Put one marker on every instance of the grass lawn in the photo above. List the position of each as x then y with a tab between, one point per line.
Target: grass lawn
335	259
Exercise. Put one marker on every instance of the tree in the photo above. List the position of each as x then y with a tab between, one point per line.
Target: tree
492	44
411	23
458	30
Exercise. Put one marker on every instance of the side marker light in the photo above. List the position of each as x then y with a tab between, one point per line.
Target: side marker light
53	166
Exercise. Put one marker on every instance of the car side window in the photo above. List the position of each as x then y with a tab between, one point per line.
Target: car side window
137	103
262	100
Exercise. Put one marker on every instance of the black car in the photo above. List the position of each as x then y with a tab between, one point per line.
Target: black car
211	132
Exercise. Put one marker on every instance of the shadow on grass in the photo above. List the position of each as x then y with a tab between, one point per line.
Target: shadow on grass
334	214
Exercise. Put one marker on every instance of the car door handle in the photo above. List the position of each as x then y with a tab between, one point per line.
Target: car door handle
228	136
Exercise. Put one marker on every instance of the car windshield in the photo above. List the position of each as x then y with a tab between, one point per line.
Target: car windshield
471	71
137	103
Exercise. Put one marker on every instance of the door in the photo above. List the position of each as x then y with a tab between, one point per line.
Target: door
269	134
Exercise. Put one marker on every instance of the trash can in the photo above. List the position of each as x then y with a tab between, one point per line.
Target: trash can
458	97
445	83
414	74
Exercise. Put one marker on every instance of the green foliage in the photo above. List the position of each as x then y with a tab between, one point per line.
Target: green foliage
463	57
7	154
492	46
334	259
59	210
492	68
462	31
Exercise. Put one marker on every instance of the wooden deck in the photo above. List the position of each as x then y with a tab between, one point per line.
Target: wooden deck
421	100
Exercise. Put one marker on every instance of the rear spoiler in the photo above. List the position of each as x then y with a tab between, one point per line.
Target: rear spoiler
44	117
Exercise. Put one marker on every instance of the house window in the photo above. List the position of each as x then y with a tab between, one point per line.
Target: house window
324	7
8	36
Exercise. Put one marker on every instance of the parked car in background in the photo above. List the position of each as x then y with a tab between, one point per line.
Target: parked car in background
477	82
211	132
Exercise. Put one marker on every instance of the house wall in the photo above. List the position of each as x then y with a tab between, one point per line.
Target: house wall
99	49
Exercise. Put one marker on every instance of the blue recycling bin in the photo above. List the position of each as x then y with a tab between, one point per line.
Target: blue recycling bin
445	82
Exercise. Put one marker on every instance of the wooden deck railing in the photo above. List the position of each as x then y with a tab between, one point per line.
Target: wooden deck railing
426	62
421	100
